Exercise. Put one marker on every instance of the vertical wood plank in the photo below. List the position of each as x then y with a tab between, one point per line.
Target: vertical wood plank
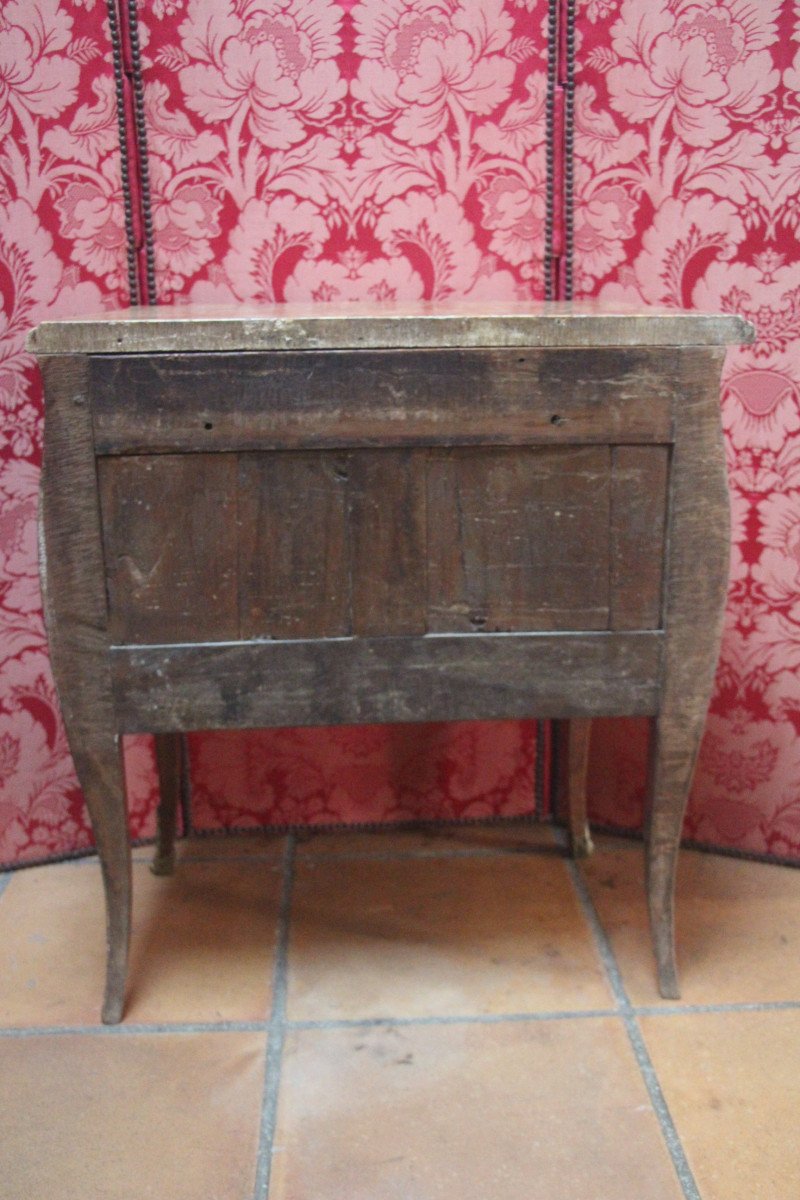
518	539
294	568
388	528
169	530
638	519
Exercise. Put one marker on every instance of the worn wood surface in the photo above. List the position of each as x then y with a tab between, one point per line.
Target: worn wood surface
345	681
211	547
166	403
169	532
294	546
75	609
518	539
388	529
279	531
697	558
640	477
197	328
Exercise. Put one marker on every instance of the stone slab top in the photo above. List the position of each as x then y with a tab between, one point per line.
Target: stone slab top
180	329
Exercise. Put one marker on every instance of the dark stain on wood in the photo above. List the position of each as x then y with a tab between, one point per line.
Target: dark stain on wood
386	679
290	400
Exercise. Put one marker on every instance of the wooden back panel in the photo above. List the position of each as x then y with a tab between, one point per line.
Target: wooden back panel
314	544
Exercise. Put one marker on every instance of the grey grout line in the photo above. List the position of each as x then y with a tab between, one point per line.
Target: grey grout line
478	1019
534	850
544	849
276	1031
646	1010
658	1100
745	1006
136	1029
648	1072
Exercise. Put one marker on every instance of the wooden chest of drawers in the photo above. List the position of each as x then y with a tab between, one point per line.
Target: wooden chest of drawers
286	516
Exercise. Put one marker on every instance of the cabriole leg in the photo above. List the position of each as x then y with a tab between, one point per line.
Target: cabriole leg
98	761
674	747
75	602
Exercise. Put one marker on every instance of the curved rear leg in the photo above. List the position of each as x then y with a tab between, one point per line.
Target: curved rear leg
169	765
572	757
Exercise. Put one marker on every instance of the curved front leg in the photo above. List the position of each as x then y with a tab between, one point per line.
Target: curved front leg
698	552
675	744
73	585
98	762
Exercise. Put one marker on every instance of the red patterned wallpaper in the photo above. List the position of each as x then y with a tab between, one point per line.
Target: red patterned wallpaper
305	149
687	171
299	149
62	250
320	151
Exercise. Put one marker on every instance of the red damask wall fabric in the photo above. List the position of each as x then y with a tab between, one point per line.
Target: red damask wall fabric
328	152
296	150
687	170
305	149
62	250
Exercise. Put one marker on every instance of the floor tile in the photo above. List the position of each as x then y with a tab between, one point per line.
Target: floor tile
732	1083
738	927
452	935
202	947
261	844
518	1111
264	846
124	1118
506	837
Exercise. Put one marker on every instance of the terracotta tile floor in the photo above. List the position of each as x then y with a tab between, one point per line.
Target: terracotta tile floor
449	1015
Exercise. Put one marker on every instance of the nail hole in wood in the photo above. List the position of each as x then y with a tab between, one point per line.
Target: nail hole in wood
557	419
208	425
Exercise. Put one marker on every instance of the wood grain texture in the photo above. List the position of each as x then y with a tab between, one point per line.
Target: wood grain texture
638	520
337	399
75	610
294	545
169	533
204	328
387	498
353	680
518	539
698	549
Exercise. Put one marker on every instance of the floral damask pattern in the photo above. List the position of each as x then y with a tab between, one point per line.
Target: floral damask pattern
62	249
297	149
385	150
377	151
687	173
302	149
